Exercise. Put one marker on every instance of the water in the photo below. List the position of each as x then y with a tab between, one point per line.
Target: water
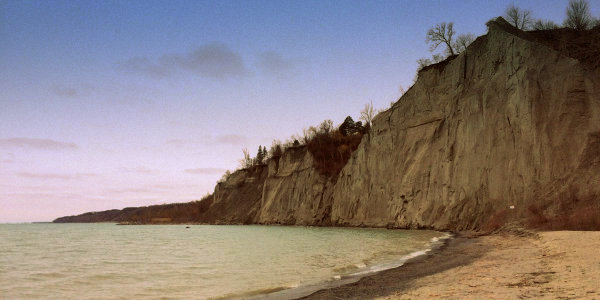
105	261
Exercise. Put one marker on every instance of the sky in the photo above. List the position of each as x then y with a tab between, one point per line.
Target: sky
111	104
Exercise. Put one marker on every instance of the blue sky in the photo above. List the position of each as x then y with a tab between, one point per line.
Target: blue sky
109	104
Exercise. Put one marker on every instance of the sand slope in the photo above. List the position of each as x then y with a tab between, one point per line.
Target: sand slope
549	265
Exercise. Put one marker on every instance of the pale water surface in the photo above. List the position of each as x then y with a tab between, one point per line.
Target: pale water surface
106	261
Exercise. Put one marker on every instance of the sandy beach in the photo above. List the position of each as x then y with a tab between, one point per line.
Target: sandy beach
542	265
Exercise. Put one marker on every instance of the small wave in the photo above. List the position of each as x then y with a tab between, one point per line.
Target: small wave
254	293
350	268
434	243
391	265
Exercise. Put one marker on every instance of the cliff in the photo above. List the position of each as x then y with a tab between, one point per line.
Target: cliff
508	122
514	120
295	192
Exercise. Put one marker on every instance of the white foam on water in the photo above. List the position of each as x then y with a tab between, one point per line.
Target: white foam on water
435	242
338	280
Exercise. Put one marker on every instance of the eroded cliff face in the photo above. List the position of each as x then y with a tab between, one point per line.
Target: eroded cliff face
512	121
294	191
237	200
509	122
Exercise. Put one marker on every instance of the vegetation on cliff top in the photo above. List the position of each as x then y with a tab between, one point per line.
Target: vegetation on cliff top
330	146
578	17
331	149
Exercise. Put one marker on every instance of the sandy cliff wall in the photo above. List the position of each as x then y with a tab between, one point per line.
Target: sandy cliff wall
294	191
237	200
507	122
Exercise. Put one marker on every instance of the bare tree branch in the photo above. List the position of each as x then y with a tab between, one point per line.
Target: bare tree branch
246	162
544	25
578	15
463	41
520	18
441	33
367	113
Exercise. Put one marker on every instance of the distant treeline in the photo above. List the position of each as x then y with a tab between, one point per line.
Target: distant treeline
190	212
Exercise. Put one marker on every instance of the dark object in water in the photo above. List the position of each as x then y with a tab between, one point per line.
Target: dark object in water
187	226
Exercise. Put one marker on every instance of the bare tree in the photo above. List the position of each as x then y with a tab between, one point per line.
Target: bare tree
367	113
578	15
326	126
246	162
441	34
463	41
308	134
544	25
520	18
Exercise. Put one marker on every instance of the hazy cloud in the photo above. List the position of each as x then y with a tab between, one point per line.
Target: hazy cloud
231	139
148	188
271	61
43	144
131	190
211	60
7	157
145	66
178	142
139	169
55	176
205	171
72	91
65	91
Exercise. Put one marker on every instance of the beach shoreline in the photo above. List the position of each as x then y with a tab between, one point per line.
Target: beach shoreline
505	265
300	292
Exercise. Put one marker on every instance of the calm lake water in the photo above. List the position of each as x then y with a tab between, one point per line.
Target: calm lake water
105	261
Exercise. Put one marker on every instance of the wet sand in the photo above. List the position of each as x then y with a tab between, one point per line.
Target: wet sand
547	265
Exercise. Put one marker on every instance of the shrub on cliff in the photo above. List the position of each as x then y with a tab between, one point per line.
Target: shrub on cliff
331	150
544	25
225	177
349	127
